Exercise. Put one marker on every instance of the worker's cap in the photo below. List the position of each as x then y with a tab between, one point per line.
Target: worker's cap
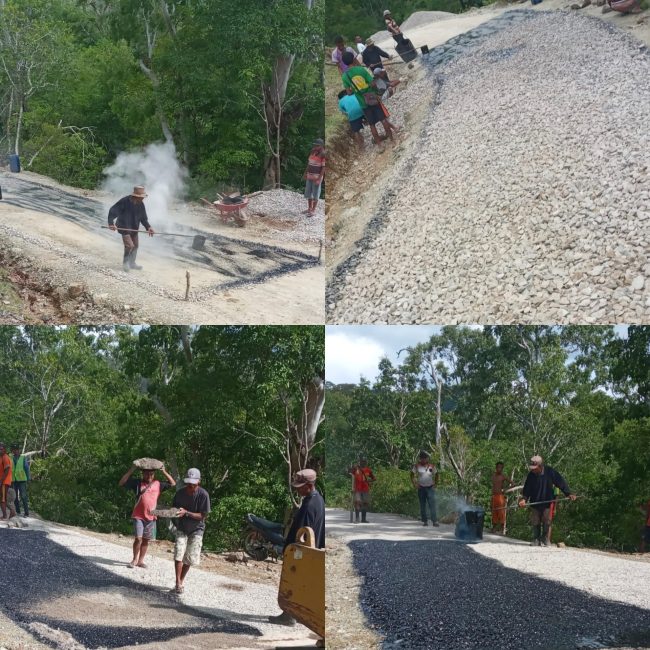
378	71
193	476
386	12
318	142
369	41
536	461
139	191
303	477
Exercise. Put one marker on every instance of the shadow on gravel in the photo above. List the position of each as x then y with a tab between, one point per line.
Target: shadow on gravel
434	594
52	586
238	261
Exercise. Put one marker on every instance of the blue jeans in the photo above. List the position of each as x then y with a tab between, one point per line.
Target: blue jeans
21	495
427	495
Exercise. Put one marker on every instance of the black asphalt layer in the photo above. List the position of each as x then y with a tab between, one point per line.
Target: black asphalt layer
241	262
36	570
443	595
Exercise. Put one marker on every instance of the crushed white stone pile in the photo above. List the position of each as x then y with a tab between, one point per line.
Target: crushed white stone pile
287	208
527	198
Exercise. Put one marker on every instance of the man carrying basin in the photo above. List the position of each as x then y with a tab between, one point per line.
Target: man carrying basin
125	217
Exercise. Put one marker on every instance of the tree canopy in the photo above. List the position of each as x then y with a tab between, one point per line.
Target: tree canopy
82	81
575	395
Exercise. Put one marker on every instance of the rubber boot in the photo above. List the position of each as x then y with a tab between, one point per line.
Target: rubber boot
363	517
132	264
125	260
283	619
537	531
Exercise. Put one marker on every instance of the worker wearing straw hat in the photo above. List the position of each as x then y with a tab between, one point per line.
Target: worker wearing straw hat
125	217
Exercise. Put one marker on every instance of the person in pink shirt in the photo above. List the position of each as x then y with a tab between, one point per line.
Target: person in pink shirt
147	490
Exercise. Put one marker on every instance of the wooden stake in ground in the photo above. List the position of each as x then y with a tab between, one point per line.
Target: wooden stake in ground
320	250
187	285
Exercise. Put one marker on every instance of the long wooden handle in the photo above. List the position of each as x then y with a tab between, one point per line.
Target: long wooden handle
169	234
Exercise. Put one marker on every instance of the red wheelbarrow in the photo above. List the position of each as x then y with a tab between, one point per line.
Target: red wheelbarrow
230	211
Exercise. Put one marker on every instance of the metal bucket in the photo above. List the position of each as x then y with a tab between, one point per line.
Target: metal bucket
198	243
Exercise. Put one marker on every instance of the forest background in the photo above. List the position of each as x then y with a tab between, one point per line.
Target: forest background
236	87
579	396
243	404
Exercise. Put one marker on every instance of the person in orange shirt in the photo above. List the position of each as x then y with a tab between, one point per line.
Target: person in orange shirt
363	479
645	538
499	502
5	478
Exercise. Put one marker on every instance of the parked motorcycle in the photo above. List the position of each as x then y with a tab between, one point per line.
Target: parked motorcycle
263	538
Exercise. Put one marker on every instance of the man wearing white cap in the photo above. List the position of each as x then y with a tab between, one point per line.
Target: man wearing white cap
312	514
194	505
125	217
538	491
392	27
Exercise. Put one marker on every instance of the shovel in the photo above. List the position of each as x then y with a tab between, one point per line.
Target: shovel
198	242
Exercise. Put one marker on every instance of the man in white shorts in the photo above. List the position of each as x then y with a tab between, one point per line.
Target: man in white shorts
194	504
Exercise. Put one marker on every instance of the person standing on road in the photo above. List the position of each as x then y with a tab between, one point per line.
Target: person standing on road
499	499
311	513
538	490
21	476
147	490
314	175
392	27
425	480
363	479
645	538
5	479
194	504
126	216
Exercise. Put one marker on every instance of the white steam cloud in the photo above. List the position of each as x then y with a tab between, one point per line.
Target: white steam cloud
157	168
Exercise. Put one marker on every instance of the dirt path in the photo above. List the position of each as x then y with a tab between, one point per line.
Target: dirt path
76	592
258	274
422	588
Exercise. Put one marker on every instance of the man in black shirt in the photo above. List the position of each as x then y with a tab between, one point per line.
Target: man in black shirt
194	505
372	56
312	514
538	490
125	217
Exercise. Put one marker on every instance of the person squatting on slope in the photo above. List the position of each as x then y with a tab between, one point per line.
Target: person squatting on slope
538	491
147	490
125	217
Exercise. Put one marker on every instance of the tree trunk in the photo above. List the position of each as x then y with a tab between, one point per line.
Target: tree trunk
155	82
19	126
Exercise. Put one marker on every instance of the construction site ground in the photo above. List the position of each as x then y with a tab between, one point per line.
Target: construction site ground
393	583
76	592
59	265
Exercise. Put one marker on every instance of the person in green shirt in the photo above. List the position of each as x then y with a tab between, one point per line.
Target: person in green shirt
20	478
361	81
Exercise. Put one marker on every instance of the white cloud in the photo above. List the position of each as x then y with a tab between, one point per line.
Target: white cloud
348	356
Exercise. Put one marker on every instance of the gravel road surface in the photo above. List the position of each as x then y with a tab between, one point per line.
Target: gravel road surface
74	591
527	196
422	588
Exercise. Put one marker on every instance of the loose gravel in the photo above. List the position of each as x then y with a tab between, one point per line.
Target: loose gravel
527	198
441	594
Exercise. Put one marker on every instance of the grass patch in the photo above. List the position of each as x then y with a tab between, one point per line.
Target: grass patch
10	300
334	119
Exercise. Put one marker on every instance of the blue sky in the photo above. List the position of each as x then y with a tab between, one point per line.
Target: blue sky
355	350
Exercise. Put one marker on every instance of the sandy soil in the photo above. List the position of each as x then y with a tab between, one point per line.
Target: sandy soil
255	274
